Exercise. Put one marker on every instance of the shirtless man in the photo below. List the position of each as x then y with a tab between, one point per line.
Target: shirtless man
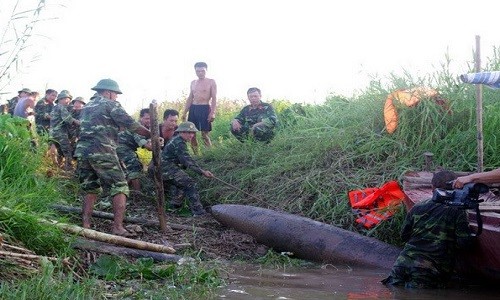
201	104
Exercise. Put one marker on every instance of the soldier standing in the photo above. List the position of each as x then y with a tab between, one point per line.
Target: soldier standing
98	163
128	143
60	122
43	108
75	108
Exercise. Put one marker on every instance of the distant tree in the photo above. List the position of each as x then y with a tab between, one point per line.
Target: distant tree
18	19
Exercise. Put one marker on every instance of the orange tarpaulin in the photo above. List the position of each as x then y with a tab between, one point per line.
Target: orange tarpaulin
409	98
374	205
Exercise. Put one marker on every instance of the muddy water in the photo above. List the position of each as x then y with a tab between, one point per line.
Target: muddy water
249	282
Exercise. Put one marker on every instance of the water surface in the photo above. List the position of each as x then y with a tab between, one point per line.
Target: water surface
329	282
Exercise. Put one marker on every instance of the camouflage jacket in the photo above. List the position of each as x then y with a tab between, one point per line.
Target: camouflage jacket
74	129
60	120
249	116
175	155
42	113
433	233
130	140
11	104
101	120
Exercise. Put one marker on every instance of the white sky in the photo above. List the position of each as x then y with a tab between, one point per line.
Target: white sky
300	50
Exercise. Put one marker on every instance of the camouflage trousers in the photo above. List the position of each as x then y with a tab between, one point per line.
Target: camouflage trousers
177	181
415	277
262	133
102	171
62	143
133	166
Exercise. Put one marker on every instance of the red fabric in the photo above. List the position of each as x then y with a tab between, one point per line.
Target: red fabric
376	204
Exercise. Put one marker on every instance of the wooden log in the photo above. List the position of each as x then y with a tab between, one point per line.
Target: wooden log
413	186
417	179
109	216
111	238
25	256
106	248
489	208
155	143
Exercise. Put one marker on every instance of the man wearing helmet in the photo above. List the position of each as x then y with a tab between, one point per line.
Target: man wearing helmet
101	119
60	123
175	158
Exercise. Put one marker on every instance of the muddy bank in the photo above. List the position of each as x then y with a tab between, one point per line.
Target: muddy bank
202	236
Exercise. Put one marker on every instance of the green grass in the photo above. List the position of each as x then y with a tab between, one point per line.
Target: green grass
319	154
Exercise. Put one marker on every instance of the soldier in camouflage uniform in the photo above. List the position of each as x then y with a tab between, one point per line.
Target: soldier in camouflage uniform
75	108
175	158
43	108
257	119
128	143
60	122
433	233
98	164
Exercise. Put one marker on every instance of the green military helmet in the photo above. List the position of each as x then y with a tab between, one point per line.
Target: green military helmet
63	94
25	90
186	127
79	99
107	85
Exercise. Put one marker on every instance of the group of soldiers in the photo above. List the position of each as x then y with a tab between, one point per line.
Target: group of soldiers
55	115
104	140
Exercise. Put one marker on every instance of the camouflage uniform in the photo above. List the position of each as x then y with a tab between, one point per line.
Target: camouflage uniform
433	233
98	163
74	129
175	158
250	116
60	121
128	143
42	116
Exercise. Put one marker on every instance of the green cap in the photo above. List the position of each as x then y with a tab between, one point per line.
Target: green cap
79	99
63	94
186	127
107	85
26	90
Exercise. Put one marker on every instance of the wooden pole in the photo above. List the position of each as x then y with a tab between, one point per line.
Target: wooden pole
155	143
113	239
103	247
136	220
479	107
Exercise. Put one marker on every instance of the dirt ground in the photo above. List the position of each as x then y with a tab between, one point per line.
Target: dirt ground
202	236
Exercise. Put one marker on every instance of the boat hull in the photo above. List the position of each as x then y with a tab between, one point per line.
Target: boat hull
305	238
